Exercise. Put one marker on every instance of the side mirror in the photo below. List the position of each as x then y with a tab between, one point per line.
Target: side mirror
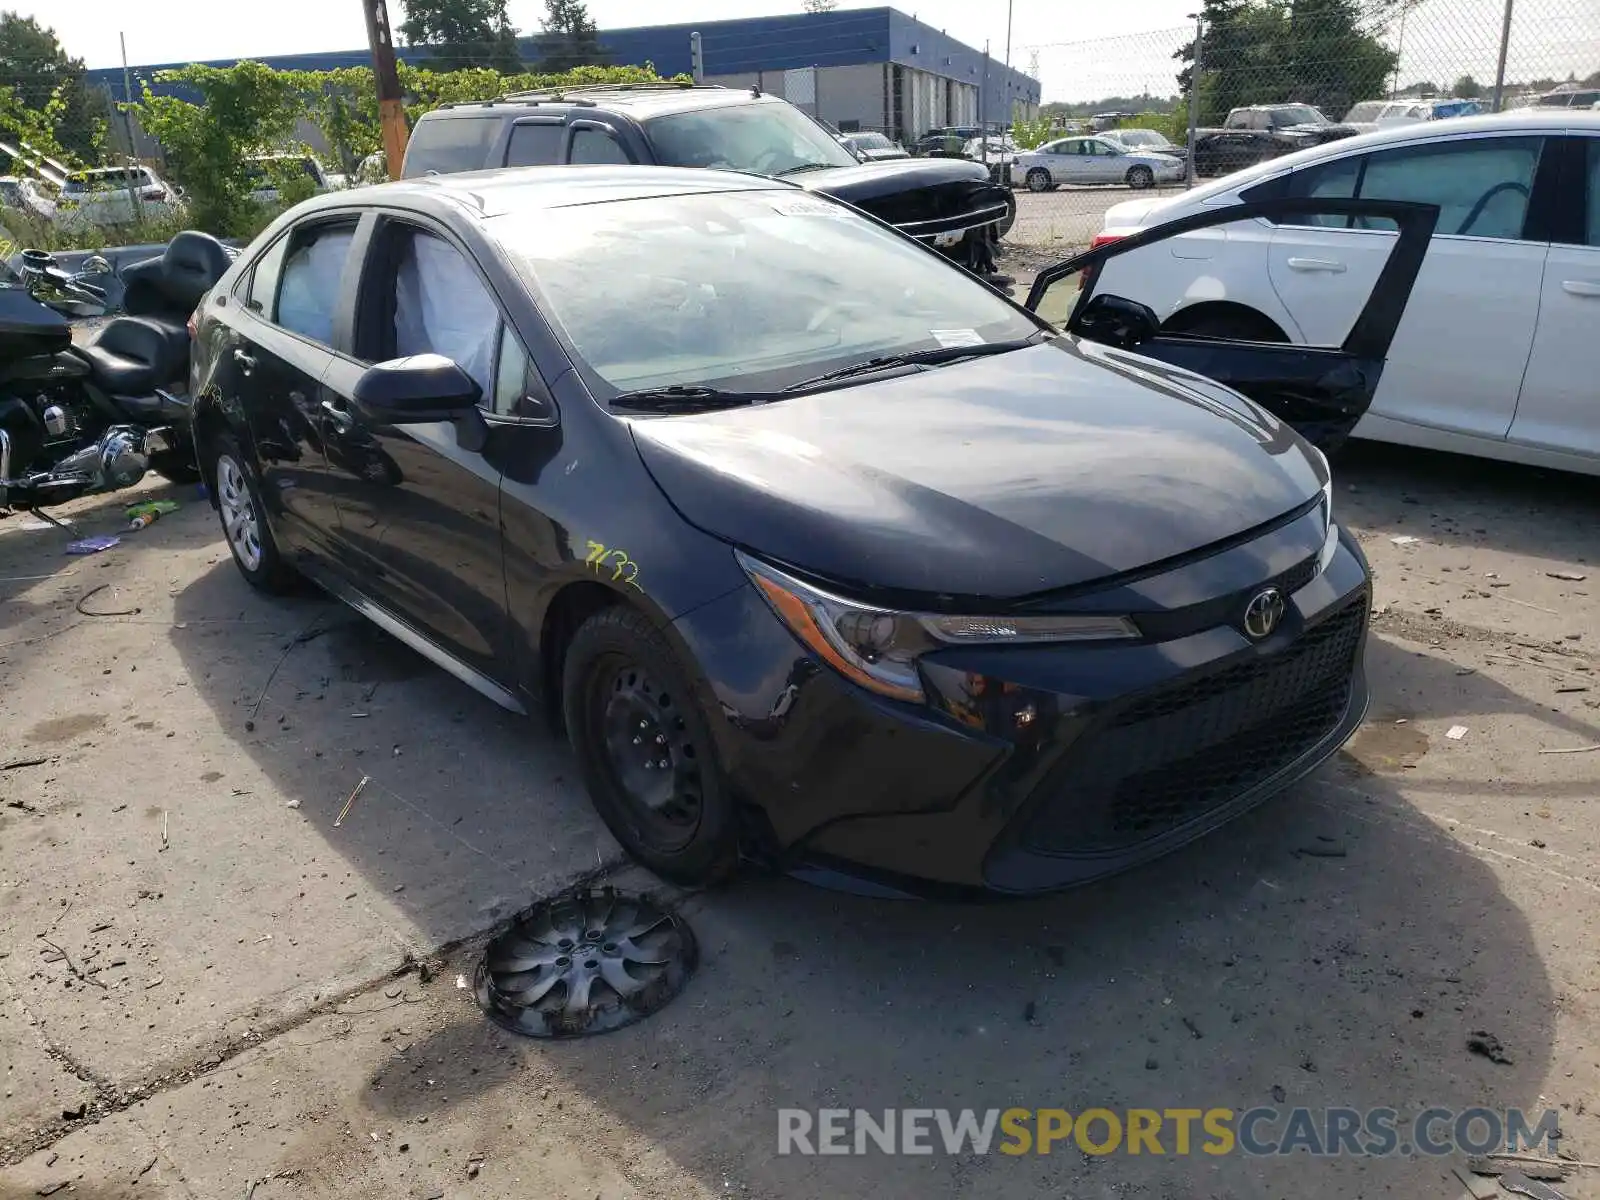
1115	321
416	390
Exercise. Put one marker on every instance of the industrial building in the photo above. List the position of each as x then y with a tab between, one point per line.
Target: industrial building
865	68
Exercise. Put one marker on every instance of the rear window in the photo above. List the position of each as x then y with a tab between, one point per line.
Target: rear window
445	145
94	181
535	145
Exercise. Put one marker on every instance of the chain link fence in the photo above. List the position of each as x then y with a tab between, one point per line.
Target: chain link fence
1272	78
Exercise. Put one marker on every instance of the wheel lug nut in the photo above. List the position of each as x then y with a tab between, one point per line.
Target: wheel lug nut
649	765
662	764
661	739
644	725
637	740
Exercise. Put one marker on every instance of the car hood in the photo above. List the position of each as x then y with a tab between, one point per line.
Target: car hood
1052	467
910	191
1155	158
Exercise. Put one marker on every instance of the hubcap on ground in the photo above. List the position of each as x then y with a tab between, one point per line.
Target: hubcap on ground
585	963
239	518
651	755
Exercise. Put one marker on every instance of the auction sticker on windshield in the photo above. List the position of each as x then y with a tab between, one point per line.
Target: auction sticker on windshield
805	206
956	337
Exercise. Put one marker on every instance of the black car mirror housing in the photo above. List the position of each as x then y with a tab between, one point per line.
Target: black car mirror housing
1117	321
416	389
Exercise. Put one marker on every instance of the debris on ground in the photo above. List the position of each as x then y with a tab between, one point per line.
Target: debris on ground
1520	1184
1405	539
1480	1187
1486	1045
16	764
1568	576
148	513
345	811
1572	749
93	545
1456	732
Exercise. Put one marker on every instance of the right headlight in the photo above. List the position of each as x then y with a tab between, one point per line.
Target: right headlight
878	648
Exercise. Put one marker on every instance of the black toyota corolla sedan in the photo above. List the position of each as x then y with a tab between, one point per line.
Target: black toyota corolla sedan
822	552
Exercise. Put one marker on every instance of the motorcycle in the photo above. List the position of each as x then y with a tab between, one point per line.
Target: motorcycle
97	417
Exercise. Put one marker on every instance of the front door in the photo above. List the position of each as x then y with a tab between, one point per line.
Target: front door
1459	355
419	504
275	354
1560	404
1320	390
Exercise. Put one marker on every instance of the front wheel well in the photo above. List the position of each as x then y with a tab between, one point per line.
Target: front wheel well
1225	318
567	611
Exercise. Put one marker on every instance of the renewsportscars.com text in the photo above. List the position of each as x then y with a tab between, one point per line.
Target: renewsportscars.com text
1327	1132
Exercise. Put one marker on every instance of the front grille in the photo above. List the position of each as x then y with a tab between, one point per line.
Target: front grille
1175	755
1224	610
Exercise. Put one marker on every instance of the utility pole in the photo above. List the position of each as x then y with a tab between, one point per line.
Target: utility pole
391	108
697	62
1500	69
1194	96
127	129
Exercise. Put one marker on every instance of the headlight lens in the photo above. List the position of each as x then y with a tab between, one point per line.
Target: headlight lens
878	648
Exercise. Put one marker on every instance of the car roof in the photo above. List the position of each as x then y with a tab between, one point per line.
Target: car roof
641	104
1521	120
519	189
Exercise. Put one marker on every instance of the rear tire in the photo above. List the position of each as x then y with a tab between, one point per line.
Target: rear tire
645	750
1141	178
244	520
1039	180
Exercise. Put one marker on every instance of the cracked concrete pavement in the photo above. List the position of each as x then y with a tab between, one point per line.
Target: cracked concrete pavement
224	982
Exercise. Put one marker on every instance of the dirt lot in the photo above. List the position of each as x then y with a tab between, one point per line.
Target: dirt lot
197	960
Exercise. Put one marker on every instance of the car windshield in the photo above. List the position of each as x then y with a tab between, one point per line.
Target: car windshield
871	141
1143	139
1367	110
766	138
99	181
1299	114
747	291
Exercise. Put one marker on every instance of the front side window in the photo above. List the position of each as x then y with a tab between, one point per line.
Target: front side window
308	291
753	290
595	147
763	138
441	306
1592	226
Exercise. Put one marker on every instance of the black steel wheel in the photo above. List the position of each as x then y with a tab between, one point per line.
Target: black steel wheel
645	749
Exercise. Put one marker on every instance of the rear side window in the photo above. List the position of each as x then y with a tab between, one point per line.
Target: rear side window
535	145
1592	227
308	291
591	146
446	145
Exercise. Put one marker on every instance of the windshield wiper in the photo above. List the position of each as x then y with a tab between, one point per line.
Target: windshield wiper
686	398
915	358
802	167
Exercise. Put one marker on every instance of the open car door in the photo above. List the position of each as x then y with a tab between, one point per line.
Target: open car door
1322	391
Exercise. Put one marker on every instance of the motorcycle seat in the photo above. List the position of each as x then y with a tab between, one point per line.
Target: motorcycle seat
132	356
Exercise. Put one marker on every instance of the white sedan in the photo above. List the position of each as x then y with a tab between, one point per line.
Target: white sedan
1079	160
1499	350
103	197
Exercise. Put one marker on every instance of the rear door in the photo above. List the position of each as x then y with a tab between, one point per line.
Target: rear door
1458	359
1559	407
1321	390
275	350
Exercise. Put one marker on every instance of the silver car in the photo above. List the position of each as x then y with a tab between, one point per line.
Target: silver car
1084	160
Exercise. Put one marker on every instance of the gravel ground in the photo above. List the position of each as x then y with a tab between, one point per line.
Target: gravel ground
209	989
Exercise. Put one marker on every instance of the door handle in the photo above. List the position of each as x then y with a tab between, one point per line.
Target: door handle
342	421
1316	264
247	363
1580	287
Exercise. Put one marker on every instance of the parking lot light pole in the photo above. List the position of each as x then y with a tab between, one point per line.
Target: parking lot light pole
1194	96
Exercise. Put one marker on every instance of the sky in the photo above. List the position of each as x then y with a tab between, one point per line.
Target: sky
1081	49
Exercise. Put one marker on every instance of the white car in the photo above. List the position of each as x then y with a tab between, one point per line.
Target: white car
1499	350
1079	160
265	170
100	197
1383	114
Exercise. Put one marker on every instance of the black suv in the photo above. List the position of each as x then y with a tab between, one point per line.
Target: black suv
950	204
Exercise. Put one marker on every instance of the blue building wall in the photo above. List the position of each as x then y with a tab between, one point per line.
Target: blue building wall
787	42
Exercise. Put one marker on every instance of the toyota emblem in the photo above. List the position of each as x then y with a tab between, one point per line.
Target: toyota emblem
1262	614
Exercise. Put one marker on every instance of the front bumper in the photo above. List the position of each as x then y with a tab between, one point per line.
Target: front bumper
1037	768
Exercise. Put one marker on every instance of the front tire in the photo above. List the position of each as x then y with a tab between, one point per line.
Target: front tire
1039	180
1141	178
244	520
645	750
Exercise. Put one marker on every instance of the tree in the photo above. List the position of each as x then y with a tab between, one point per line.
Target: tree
1467	88
463	33
571	39
1281	51
46	82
